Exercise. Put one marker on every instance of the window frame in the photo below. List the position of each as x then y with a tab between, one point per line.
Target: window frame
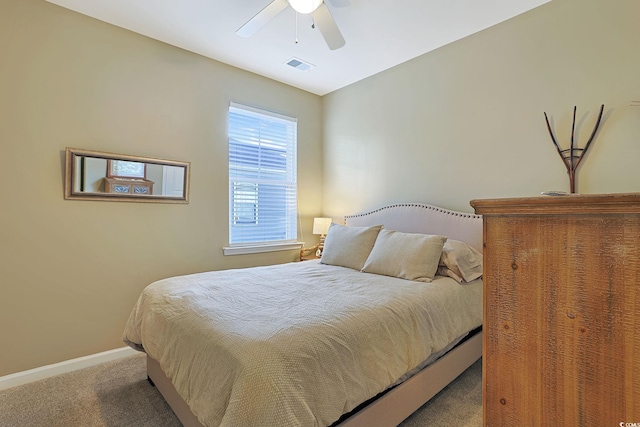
264	187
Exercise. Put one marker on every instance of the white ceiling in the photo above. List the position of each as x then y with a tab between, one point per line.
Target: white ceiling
379	33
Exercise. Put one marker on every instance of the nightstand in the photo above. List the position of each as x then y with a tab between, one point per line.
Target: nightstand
307	254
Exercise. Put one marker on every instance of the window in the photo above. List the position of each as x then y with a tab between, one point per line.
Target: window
262	178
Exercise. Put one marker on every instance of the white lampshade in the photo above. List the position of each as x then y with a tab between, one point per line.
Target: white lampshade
321	225
305	6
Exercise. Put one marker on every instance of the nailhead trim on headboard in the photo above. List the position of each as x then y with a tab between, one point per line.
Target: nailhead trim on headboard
417	205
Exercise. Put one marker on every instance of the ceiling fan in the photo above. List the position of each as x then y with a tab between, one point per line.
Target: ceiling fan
317	8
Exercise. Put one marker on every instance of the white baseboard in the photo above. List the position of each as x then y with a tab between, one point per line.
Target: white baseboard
47	371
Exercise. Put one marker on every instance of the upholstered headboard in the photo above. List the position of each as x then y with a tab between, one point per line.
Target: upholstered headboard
422	218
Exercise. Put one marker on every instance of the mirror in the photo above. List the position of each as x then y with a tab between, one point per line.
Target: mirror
94	175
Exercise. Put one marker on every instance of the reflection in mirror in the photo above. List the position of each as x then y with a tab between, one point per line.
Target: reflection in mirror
125	169
105	176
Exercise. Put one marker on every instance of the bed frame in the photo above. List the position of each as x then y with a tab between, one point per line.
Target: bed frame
394	405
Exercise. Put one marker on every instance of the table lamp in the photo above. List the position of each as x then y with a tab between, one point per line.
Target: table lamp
321	227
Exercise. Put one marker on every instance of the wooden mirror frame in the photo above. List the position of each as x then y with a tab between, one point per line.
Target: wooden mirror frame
73	176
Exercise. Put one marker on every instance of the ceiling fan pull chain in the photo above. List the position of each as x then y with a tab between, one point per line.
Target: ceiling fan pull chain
296	27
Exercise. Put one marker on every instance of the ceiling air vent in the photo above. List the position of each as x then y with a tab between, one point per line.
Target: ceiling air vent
299	64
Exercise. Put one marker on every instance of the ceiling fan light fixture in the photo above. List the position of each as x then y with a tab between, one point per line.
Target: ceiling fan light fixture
305	6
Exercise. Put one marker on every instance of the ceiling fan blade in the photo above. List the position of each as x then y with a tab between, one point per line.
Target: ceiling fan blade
262	17
328	27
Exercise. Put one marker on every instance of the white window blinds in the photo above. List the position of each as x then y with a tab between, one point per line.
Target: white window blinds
262	177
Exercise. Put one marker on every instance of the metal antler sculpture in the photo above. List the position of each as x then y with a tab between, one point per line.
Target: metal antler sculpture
572	156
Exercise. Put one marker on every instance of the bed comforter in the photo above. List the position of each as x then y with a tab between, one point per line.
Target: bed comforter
297	344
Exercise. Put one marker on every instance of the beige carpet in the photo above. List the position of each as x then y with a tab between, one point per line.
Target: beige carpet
117	394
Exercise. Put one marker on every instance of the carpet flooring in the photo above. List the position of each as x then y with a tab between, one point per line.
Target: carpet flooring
117	394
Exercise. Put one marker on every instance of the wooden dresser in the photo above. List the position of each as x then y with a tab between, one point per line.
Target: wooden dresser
561	310
136	186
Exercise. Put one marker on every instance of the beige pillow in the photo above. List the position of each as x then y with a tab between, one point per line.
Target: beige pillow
444	271
462	259
348	246
411	256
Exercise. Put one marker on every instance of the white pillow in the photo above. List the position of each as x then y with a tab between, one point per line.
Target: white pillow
462	259
348	246
411	256
444	271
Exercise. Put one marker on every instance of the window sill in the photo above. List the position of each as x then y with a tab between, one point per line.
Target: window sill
256	249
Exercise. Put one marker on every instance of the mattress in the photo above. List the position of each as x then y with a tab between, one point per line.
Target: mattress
294	344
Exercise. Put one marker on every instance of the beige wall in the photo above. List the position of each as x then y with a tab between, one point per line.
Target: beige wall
70	271
466	121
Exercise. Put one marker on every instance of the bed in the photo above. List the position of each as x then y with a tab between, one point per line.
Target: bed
316	342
